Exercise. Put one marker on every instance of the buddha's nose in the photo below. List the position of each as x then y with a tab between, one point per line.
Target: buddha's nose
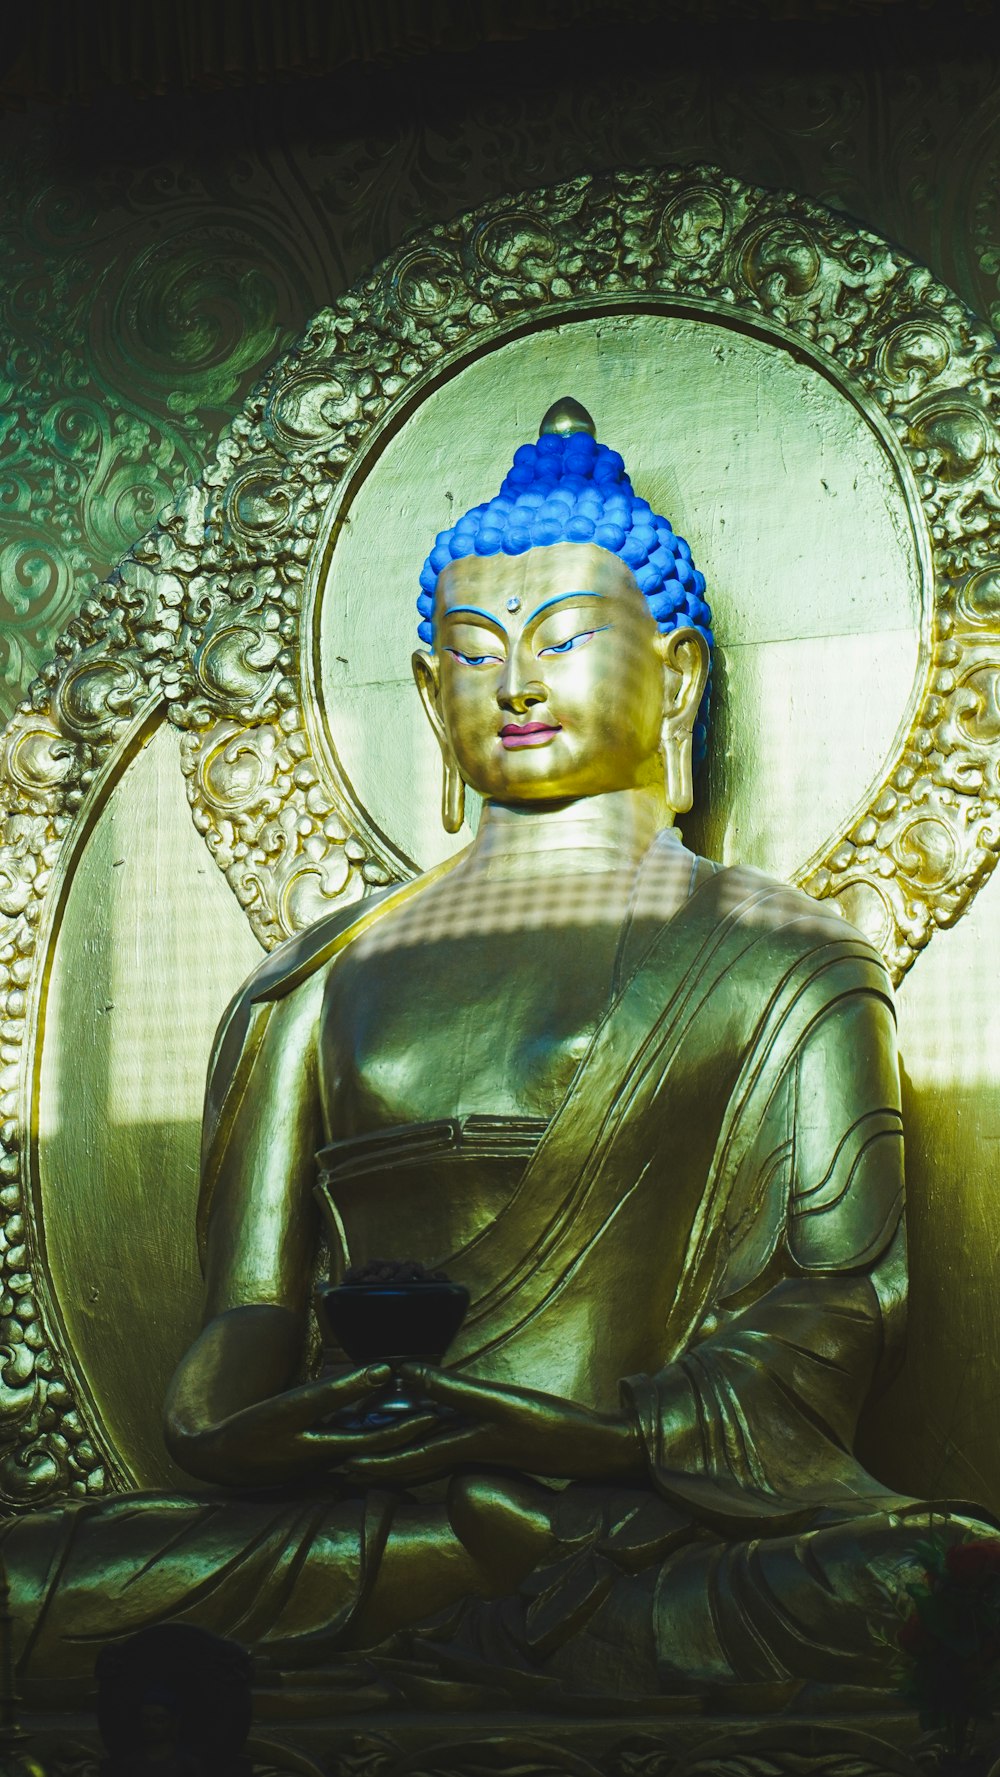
521	697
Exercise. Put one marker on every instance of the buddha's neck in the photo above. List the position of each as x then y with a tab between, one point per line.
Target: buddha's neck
587	836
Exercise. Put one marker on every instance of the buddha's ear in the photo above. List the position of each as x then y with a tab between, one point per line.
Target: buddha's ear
427	677
684	653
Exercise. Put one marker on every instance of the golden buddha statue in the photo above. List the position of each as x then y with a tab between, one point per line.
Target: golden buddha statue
645	1108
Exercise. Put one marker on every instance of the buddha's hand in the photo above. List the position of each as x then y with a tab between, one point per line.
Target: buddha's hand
233	1418
296	1434
511	1428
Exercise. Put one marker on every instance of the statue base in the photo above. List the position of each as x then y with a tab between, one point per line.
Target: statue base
300	1730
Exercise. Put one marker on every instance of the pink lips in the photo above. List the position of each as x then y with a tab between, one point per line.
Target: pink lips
527	734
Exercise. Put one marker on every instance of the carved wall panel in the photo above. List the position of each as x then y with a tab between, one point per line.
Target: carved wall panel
152	269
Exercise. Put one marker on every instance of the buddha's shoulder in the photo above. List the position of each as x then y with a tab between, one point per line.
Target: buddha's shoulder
773	907
296	971
293	975
304	957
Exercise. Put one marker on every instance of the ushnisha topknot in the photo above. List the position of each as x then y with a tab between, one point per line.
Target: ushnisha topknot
568	488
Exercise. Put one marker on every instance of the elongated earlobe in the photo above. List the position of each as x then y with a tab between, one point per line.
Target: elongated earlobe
677	770
684	653
452	794
425	673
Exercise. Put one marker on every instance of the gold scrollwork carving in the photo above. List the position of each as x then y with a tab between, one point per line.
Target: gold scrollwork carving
205	615
116	661
45	1449
693	223
914	355
955	437
35	758
235	662
309	406
977	601
781	263
270	824
422	285
514	243
94	694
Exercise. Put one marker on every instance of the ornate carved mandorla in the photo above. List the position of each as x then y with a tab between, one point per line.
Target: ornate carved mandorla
204	613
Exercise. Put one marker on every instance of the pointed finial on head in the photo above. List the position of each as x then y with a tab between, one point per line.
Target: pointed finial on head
566	416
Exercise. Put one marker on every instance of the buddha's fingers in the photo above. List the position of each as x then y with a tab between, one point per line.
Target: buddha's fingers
301	1409
356	1385
438	1455
452	1390
344	1446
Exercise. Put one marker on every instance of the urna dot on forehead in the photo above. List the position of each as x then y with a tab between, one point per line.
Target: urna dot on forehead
569	488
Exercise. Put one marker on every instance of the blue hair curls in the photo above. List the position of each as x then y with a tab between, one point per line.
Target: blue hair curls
571	489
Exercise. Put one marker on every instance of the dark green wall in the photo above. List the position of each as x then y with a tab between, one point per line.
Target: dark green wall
157	253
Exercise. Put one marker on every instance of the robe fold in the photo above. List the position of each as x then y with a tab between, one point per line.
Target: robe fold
711	1224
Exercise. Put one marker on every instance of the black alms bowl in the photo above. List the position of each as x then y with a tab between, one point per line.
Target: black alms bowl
393	1323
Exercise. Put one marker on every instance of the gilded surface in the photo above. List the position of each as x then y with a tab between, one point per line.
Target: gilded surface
127	411
670	1181
204	618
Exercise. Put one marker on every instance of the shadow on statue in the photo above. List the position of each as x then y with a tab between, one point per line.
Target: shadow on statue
175	1701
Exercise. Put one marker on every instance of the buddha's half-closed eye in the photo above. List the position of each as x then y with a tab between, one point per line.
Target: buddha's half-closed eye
474	659
571	642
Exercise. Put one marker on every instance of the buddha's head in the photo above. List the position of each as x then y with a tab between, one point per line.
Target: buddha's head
568	634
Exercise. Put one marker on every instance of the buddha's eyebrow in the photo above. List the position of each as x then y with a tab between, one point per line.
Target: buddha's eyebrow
474	611
581	592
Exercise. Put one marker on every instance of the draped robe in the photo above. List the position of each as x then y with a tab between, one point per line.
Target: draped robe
729	1157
